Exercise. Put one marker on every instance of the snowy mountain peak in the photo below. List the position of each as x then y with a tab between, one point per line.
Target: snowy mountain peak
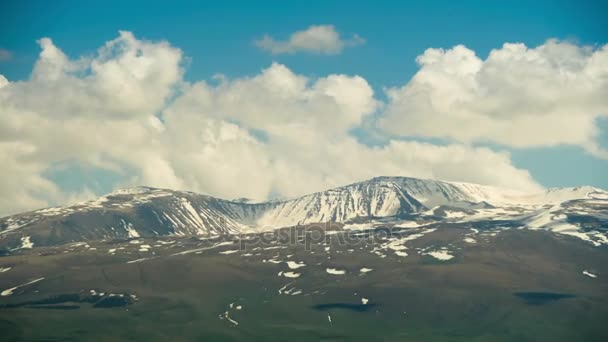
137	190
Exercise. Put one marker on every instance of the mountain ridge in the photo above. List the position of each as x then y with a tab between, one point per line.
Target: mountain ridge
145	211
125	190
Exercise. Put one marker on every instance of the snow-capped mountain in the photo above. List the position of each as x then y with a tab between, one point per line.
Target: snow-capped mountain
378	197
148	212
402	196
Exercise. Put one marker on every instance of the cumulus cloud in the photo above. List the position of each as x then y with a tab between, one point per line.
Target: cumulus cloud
284	104
318	39
518	96
308	147
128	109
127	77
91	111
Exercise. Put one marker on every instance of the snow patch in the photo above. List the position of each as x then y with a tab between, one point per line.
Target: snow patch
26	243
295	265
137	260
454	214
335	271
397	244
230	251
131	232
442	255
227	317
282	290
589	274
199	250
9	292
291	275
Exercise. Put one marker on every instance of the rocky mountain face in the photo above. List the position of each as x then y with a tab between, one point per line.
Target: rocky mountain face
149	212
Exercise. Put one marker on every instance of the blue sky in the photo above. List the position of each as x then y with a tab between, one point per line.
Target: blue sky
218	38
218	35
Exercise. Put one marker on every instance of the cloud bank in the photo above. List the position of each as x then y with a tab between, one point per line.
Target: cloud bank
317	39
128	110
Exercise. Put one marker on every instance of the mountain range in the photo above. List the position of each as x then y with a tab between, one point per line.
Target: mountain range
402	259
381	201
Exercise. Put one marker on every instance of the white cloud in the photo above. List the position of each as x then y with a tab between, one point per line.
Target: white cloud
128	109
319	39
308	146
283	103
22	185
518	96
127	77
95	111
3	81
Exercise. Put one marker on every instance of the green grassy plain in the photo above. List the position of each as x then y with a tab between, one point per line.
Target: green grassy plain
416	298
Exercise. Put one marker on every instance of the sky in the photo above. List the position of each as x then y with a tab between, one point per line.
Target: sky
264	99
